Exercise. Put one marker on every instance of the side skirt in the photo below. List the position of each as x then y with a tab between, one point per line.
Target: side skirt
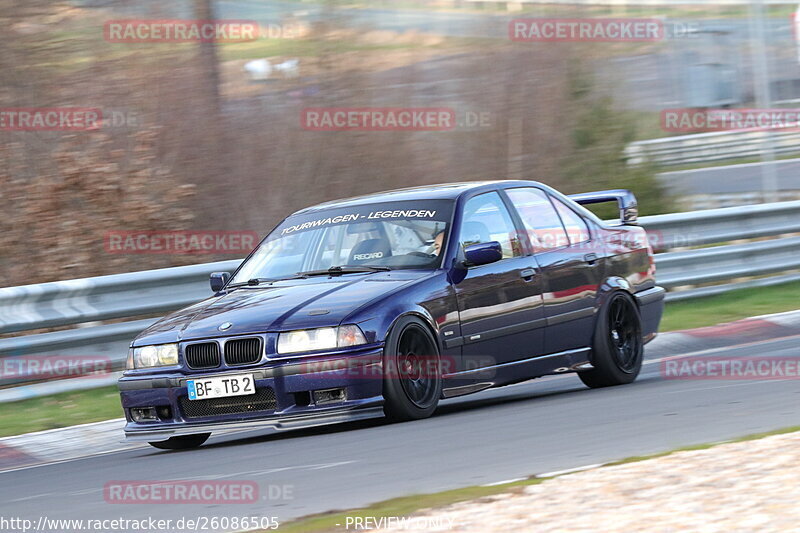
469	381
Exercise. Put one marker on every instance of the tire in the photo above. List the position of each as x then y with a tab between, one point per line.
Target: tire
618	347
412	381
184	442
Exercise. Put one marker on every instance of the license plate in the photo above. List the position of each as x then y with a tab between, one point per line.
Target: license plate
221	386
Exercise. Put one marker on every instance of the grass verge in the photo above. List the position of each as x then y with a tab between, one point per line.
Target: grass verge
398	507
302	48
734	305
59	410
403	506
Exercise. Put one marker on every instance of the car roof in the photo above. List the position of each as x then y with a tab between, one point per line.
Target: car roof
443	191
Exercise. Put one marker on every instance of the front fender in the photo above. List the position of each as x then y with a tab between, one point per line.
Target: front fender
378	327
432	300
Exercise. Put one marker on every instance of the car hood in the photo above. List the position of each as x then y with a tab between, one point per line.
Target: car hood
281	306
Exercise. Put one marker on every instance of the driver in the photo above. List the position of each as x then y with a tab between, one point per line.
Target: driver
437	242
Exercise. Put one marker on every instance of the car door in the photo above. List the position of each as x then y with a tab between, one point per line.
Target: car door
571	262
499	304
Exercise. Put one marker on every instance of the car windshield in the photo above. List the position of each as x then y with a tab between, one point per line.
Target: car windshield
392	235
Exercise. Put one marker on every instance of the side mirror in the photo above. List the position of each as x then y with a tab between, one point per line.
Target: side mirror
483	253
218	280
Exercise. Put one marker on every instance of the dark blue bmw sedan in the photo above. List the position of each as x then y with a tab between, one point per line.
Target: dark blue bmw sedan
388	303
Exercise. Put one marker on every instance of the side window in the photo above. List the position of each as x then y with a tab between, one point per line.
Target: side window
577	230
487	219
541	220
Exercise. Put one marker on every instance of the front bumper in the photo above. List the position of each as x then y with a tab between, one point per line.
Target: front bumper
294	382
333	416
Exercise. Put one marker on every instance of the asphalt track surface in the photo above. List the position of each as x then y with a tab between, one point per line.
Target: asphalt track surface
729	179
537	427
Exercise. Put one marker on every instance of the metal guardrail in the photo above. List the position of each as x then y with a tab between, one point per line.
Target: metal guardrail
714	146
681	271
696	228
76	301
150	292
723	263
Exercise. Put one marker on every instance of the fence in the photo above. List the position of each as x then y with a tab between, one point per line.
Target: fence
715	146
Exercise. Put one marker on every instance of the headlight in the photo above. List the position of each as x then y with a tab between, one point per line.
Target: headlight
152	356
311	340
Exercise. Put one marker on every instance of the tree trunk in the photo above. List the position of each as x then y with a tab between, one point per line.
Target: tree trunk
204	10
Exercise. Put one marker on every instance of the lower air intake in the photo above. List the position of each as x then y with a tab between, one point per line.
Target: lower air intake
262	400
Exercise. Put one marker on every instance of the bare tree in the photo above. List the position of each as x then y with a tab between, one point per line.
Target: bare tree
209	62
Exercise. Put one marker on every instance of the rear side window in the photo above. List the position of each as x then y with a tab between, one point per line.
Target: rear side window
577	230
541	220
487	219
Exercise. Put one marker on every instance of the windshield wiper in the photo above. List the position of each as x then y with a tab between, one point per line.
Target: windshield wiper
344	269
251	282
258	281
332	271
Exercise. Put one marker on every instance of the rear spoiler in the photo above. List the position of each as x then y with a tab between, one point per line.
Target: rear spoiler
628	208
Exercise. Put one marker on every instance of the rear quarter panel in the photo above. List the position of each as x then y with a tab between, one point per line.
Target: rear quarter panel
629	257
630	266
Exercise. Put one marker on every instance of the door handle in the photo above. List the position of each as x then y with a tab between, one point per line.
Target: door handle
590	258
527	274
